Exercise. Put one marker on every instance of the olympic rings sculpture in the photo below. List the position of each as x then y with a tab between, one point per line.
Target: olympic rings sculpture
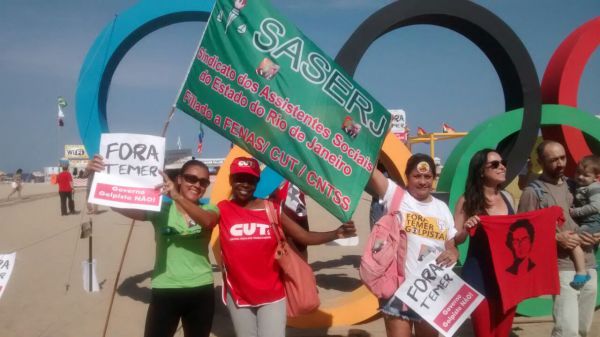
515	129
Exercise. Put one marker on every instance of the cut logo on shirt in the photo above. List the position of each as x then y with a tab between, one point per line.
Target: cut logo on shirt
250	231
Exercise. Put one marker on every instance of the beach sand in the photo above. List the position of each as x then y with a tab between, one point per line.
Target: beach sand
45	295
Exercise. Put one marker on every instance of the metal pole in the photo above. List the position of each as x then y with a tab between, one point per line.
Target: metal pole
90	259
431	145
169	117
112	297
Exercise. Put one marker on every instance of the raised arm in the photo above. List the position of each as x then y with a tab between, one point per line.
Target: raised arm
377	184
291	228
205	218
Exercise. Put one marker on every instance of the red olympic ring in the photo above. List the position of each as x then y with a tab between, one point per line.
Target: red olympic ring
560	85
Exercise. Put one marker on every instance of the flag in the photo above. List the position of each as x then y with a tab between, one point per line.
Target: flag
279	101
421	131
447	128
178	143
523	250
62	103
200	139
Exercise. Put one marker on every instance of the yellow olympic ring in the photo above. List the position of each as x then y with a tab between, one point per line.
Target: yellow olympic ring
341	311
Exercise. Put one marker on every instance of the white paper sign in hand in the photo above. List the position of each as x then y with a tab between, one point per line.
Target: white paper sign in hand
439	296
131	174
7	263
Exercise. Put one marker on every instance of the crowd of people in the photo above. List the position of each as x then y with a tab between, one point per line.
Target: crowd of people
182	281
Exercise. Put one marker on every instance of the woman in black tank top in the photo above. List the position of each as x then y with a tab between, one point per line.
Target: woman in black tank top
483	196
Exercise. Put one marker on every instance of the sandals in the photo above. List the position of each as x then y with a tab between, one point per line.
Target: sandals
579	281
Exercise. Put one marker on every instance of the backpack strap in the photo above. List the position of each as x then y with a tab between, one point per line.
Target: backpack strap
396	200
273	216
538	189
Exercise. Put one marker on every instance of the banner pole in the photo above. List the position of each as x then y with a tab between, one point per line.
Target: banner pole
90	263
112	298
169	117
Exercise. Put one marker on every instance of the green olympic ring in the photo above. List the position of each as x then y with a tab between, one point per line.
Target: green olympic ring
488	135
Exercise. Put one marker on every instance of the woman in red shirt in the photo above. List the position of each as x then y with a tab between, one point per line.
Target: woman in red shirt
253	290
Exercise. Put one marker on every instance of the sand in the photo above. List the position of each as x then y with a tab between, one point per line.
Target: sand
45	295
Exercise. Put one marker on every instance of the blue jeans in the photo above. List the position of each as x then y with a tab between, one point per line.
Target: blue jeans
394	307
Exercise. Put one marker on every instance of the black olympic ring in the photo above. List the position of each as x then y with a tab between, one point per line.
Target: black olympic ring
495	38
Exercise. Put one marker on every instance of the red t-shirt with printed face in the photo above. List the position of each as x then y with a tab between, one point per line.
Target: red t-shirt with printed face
523	249
248	248
64	180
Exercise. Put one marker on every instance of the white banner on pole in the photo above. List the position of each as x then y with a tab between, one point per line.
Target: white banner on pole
7	263
131	175
439	296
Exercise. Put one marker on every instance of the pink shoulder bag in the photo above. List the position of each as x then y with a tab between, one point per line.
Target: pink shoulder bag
297	276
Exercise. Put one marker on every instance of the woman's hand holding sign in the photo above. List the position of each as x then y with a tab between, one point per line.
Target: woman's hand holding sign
168	187
448	257
95	165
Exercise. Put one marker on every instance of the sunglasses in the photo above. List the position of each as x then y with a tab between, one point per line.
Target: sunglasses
494	164
192	179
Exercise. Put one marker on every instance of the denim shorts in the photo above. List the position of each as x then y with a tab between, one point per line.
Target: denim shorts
394	307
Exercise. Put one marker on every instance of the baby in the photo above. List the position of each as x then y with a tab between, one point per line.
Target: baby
586	212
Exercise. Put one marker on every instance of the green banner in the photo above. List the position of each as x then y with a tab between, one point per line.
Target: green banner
259	82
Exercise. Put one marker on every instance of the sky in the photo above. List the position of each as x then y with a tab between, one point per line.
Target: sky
434	74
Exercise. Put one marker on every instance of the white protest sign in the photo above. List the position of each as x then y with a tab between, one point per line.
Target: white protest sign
346	242
7	263
398	124
131	172
439	296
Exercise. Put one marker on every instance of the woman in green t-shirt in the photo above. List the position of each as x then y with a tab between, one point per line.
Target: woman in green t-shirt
182	280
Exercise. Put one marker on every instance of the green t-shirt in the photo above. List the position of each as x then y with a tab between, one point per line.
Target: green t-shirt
181	259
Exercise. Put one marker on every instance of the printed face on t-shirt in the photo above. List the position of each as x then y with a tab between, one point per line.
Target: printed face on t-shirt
521	243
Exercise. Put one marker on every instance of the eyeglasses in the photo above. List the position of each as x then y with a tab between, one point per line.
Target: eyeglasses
192	179
494	164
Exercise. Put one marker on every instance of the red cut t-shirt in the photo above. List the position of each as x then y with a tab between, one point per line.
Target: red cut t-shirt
248	248
523	248
64	180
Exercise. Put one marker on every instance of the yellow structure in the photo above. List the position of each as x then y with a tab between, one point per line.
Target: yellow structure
431	138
